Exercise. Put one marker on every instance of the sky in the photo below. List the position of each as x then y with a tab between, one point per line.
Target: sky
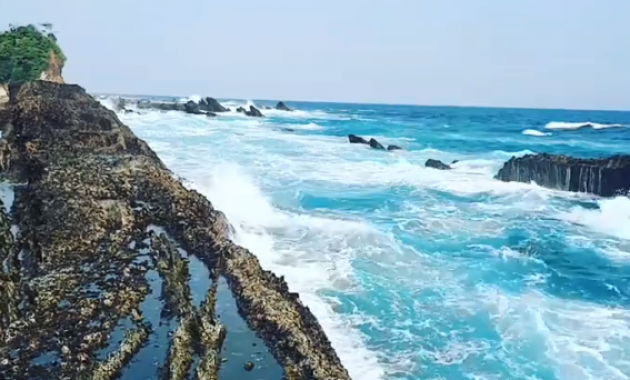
520	53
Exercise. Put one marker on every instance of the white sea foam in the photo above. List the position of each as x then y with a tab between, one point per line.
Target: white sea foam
561	125
247	160
533	132
612	218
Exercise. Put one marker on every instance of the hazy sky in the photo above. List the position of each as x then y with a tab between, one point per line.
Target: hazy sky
530	53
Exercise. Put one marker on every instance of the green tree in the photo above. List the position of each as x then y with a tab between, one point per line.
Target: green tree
25	52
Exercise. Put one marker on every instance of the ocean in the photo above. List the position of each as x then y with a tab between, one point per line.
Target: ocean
417	273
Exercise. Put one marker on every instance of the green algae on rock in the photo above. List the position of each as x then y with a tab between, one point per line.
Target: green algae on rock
89	191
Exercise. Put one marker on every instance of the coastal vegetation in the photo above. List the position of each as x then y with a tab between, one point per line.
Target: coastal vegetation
25	52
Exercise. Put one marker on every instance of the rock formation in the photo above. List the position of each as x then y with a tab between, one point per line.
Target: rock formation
283	107
53	72
211	105
373	143
437	164
603	176
254	112
88	192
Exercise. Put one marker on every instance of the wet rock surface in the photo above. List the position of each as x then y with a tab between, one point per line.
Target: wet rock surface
436	164
604	176
373	143
88	190
283	107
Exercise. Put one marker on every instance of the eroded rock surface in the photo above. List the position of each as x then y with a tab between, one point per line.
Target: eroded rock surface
89	189
604	176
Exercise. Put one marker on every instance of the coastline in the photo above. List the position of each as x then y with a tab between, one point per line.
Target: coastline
79	164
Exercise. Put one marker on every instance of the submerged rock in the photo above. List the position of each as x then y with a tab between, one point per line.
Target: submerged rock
241	110
282	107
436	164
91	190
602	176
393	147
162	106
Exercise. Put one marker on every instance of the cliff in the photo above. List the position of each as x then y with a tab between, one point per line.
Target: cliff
30	53
89	191
604	176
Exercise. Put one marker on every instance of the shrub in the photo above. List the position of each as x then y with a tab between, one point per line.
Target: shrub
25	52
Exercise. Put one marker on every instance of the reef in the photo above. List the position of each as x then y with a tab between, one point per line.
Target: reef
78	244
601	176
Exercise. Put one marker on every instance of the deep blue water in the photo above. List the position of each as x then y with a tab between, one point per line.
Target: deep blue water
416	273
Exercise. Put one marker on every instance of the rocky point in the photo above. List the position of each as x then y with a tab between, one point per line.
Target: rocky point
87	191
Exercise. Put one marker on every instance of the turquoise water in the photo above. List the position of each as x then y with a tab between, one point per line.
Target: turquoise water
416	273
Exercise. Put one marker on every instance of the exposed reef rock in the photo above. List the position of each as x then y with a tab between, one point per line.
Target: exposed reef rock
437	164
89	191
603	176
373	143
283	107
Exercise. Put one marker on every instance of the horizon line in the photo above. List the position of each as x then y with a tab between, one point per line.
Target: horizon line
377	103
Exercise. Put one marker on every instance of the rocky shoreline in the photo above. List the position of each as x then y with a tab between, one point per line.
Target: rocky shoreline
78	244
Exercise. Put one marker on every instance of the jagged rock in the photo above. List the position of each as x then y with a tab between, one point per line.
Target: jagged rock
241	110
436	164
254	112
283	107
354	139
454	162
375	144
603	176
211	105
393	147
91	189
192	107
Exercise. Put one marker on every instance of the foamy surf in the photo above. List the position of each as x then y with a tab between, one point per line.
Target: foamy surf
536	133
560	125
413	272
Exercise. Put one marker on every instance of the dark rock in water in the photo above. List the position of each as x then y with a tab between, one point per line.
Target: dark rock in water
266	107
211	114
603	176
436	164
162	106
454	162
91	190
192	107
287	129
375	144
241	110
354	139
393	147
211	105
248	366
119	104
254	112
282	107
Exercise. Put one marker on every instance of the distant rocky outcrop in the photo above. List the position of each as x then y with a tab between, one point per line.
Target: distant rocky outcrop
254	112
436	164
192	108
89	197
283	107
602	176
209	104
373	143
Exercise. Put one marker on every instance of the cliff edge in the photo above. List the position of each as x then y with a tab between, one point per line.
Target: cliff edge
87	193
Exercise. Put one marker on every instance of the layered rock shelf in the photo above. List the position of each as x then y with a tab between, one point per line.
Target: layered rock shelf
603	176
77	247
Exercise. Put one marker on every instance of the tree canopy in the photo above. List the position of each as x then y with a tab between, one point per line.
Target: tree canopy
25	52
